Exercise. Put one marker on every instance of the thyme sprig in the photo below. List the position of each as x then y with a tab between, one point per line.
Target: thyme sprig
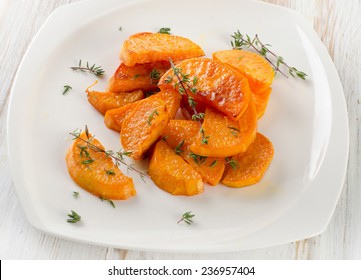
241	41
118	157
187	218
96	70
183	83
197	158
74	217
66	89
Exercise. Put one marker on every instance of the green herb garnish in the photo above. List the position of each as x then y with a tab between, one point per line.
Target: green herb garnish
151	116
96	70
241	41
66	89
74	217
232	162
164	30
187	218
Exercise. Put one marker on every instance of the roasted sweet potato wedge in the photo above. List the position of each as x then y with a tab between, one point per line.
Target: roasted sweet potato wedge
140	76
171	173
216	85
95	172
104	101
179	135
254	67
147	47
225	136
251	165
142	127
113	119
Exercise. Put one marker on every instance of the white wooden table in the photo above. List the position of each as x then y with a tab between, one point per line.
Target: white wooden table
337	22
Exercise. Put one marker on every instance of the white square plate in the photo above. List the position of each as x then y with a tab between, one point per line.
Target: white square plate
305	120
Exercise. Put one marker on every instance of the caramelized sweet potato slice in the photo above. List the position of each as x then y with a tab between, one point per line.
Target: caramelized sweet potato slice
104	101
113	119
179	135
261	100
252	164
217	85
254	67
95	172
140	76
225	136
142	127
172	174
147	47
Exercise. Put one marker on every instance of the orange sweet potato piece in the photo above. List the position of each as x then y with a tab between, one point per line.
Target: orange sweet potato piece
171	173
140	76
261	100
226	137
113	119
142	127
147	47
104	101
254	67
172	99
252	164
179	135
217	85
95	172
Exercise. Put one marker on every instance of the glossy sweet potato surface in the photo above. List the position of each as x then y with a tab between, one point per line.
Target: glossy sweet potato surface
104	101
142	127
147	47
217	85
113	119
254	67
226	137
140	76
171	173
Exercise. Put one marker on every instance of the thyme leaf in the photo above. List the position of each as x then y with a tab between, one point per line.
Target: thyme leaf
164	30
66	89
151	116
73	217
178	149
